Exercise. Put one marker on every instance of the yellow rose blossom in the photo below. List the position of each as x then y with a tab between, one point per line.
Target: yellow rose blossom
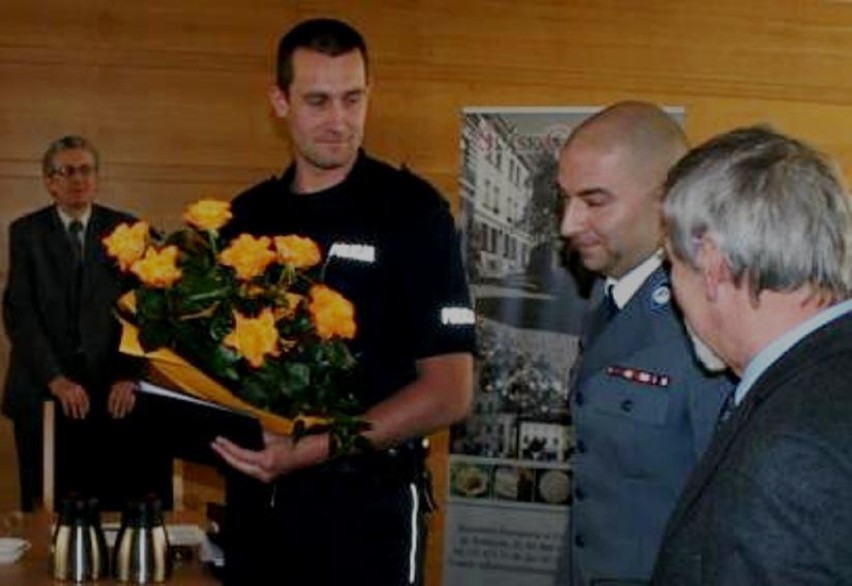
252	290
127	243
158	268
297	251
288	311
248	256
331	313
208	214
254	337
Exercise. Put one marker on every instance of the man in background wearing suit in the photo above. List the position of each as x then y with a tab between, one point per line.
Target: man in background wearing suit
642	407
759	238
58	312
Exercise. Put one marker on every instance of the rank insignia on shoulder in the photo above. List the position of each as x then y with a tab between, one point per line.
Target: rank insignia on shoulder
639	376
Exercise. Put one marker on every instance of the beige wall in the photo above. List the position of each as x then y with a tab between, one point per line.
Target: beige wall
173	91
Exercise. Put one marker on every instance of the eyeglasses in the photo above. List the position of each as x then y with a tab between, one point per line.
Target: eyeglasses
68	171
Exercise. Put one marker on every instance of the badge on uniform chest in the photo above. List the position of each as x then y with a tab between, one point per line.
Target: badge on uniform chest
364	253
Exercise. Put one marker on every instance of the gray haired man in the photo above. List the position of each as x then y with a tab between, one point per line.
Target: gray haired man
758	229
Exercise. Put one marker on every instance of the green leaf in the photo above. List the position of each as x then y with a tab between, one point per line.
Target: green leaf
155	335
255	393
223	362
151	305
296	375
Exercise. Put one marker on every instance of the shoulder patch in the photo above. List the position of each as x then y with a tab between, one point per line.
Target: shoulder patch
661	295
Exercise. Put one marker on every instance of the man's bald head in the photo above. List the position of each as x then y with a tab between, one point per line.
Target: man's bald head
651	139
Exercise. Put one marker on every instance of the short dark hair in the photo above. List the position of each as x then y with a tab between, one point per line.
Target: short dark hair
324	35
67	143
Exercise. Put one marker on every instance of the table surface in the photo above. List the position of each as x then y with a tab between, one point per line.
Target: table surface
33	568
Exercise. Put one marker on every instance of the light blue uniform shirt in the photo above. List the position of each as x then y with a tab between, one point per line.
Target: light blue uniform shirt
767	357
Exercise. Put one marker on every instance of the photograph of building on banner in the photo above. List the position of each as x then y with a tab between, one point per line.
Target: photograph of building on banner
510	481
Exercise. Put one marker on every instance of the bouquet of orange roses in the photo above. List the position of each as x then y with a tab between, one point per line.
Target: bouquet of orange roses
246	324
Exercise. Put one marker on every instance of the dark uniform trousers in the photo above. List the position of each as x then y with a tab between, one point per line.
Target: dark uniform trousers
357	520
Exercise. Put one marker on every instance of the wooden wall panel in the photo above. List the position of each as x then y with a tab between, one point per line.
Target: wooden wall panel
174	91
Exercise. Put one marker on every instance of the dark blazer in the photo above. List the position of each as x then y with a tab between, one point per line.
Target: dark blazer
110	459
643	412
36	312
771	501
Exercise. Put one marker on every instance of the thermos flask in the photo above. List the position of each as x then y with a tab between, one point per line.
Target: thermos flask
78	549
141	553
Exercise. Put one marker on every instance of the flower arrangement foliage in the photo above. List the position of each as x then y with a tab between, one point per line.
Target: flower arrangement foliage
251	313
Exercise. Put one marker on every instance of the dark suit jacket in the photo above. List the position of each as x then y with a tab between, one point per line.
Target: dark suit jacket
637	439
771	501
36	310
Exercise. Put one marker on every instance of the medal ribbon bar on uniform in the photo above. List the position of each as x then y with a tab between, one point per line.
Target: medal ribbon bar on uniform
640	376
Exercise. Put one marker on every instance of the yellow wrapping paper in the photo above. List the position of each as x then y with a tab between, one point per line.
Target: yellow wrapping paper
192	381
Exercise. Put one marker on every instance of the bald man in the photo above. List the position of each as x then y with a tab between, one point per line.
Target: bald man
643	408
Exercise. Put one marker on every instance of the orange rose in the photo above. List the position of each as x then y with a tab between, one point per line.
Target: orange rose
288	310
252	290
248	256
208	214
254	337
331	313
297	251
127	243
158	268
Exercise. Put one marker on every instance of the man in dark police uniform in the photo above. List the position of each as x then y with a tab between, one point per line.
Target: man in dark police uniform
643	408
392	249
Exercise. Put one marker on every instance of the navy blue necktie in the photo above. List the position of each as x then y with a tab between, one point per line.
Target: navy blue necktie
729	405
604	311
612	308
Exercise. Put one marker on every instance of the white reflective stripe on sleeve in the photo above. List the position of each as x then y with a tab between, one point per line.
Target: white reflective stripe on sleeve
359	252
457	316
415	530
